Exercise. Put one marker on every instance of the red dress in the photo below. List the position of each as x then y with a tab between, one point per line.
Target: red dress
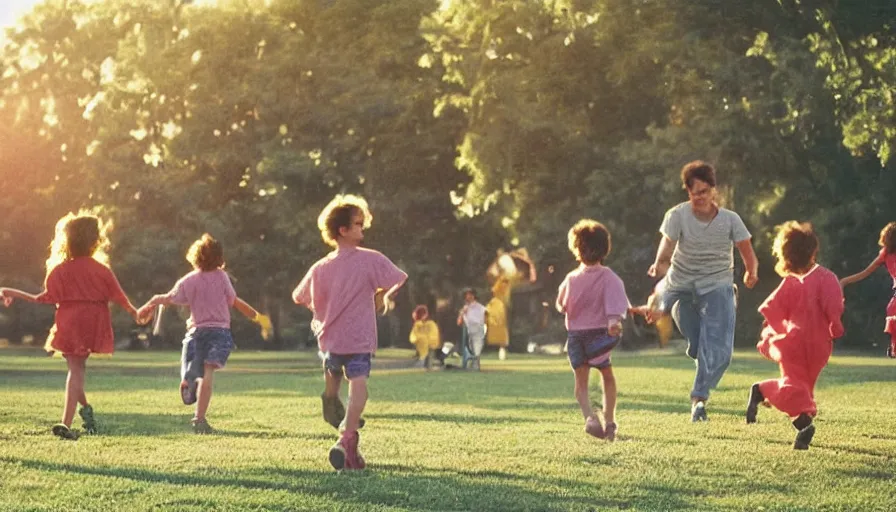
803	317
81	288
889	261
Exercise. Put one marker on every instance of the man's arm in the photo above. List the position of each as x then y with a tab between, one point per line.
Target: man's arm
663	257
751	263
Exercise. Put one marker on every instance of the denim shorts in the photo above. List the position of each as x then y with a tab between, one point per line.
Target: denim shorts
350	365
591	347
205	346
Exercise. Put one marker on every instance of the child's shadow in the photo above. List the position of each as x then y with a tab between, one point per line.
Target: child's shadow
137	424
149	425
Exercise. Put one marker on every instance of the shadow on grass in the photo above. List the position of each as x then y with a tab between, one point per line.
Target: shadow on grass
451	418
390	486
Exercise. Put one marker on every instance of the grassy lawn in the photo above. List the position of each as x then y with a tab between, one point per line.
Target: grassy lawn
508	438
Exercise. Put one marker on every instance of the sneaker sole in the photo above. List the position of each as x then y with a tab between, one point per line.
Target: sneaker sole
64	432
337	458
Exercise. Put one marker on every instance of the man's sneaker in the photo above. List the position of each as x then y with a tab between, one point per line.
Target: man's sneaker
698	412
188	391
345	455
594	428
803	438
86	414
753	402
610	432
64	432
201	426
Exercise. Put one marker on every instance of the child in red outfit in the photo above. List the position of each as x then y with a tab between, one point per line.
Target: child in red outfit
803	318
81	287
887	256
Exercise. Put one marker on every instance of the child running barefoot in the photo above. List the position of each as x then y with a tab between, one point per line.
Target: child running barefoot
594	301
887	257
339	289
802	317
208	292
81	285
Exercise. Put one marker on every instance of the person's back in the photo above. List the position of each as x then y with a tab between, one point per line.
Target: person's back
591	293
812	310
342	299
209	294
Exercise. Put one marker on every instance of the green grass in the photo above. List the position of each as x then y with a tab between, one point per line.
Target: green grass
508	438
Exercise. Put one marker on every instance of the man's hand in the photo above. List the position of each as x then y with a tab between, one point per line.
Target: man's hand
750	279
658	269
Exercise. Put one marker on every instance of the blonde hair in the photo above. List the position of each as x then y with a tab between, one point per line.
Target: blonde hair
338	214
81	234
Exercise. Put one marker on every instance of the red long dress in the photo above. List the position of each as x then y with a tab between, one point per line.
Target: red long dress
803	317
82	288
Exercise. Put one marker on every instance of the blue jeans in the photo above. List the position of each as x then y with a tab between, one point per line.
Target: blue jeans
707	322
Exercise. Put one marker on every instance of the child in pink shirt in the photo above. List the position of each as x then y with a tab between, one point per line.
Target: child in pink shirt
208	292
594	301
803	318
339	289
886	257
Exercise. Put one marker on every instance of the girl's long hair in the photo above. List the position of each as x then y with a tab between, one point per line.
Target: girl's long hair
81	234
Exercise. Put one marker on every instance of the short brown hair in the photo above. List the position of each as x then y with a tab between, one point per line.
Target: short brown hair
589	241
206	254
888	238
339	213
795	248
698	170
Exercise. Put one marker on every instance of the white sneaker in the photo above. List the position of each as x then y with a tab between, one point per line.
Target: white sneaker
502	353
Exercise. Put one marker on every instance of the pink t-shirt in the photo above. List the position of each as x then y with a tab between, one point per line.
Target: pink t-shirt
589	296
889	260
209	294
339	289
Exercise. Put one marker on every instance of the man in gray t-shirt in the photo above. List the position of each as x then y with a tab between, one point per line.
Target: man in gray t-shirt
696	261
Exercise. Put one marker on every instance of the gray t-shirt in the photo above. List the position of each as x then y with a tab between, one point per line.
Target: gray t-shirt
703	259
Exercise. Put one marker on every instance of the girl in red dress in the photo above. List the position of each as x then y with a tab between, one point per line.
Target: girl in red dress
887	258
802	318
81	287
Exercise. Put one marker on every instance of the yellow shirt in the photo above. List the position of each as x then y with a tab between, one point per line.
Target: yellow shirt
425	336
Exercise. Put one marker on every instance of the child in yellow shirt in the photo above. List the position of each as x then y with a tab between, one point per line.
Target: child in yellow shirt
424	336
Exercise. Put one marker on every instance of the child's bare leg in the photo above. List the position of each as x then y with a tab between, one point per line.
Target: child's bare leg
608	381
581	390
204	393
357	400
74	388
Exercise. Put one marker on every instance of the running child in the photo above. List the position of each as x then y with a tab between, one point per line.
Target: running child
207	345
339	289
594	301
424	336
802	318
81	285
886	257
